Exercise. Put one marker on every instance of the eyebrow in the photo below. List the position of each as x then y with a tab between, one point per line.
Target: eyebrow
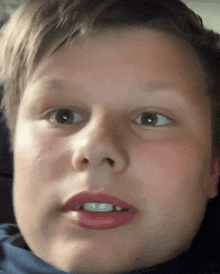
54	88
158	85
56	84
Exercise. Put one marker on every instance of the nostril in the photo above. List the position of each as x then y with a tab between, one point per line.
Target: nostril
111	162
85	161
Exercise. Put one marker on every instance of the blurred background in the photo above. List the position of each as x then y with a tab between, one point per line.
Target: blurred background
7	7
209	10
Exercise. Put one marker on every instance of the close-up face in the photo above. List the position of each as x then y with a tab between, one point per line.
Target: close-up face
123	114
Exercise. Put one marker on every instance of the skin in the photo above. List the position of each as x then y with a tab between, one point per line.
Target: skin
164	170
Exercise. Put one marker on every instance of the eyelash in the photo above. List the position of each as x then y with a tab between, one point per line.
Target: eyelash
152	116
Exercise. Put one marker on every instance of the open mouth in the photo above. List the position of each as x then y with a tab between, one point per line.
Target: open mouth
98	211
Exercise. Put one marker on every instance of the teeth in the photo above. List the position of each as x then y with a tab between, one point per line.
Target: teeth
118	208
78	207
97	207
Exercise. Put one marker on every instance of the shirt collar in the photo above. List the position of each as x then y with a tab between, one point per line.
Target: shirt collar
18	241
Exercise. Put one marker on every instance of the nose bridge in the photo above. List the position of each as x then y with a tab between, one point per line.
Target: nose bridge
102	122
103	126
100	143
98	136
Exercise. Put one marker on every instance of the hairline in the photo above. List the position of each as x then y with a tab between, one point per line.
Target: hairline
92	33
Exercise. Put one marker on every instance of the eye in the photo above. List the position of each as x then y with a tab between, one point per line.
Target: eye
65	116
152	119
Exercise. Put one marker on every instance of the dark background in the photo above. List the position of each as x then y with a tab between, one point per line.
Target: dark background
6	175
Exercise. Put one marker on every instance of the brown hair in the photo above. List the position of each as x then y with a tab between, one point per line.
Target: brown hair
40	28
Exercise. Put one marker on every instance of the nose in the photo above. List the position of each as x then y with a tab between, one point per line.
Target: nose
100	145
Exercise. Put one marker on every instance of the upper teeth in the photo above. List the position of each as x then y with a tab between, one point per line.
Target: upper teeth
100	207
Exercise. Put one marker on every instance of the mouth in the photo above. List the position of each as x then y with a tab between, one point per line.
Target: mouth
81	201
98	211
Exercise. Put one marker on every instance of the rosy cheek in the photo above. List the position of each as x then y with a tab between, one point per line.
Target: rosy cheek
172	167
174	160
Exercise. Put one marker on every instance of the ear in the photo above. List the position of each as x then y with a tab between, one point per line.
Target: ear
212	191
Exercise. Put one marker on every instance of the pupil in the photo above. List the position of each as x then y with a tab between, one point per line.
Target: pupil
148	118
64	115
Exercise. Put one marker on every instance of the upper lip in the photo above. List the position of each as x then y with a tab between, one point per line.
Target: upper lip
88	197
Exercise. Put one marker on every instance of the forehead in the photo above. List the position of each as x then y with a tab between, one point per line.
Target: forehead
129	55
143	45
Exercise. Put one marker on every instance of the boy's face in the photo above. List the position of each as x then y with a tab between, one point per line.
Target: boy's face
161	165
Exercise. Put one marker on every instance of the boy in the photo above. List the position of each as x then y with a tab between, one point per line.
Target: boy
122	182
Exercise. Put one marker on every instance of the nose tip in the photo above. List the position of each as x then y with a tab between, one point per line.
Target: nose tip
80	163
100	152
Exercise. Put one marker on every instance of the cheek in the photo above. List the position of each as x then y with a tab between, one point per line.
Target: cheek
169	186
32	157
169	169
41	170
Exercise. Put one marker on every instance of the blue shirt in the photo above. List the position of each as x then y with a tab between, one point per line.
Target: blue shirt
16	257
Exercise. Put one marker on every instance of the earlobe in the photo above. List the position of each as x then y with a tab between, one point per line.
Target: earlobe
214	179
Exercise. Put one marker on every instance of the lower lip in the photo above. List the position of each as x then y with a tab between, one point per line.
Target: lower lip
102	220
